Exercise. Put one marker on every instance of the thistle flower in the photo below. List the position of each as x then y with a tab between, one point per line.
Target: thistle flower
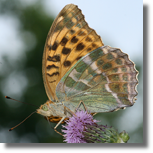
82	128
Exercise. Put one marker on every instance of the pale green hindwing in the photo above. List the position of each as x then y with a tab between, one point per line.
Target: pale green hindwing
104	79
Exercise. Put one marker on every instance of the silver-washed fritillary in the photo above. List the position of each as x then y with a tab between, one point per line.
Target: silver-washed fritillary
78	67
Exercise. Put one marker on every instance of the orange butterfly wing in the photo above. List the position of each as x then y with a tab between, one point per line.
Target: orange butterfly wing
69	39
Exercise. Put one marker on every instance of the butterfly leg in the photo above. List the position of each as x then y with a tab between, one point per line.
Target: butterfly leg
81	102
59	124
66	111
94	114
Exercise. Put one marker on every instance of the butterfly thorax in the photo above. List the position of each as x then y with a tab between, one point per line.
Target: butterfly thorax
52	111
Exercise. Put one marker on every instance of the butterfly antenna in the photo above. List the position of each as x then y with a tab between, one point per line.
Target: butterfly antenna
22	121
20	101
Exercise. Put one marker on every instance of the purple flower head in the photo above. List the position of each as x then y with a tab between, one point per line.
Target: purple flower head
76	125
82	128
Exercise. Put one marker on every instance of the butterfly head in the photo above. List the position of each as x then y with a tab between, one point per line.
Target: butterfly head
45	110
51	109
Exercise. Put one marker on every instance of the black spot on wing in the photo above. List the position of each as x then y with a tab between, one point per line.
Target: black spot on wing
55	58
52	66
55	73
80	46
52	81
93	45
64	41
78	58
72	31
89	49
54	47
66	50
74	39
67	63
88	39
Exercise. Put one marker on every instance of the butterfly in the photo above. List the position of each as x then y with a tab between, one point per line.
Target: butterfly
78	68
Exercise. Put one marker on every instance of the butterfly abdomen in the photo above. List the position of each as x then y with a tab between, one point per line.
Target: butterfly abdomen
55	119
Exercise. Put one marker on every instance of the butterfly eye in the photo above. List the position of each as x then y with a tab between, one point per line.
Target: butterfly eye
45	108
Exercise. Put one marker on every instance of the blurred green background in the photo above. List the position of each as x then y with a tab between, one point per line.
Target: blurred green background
21	79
